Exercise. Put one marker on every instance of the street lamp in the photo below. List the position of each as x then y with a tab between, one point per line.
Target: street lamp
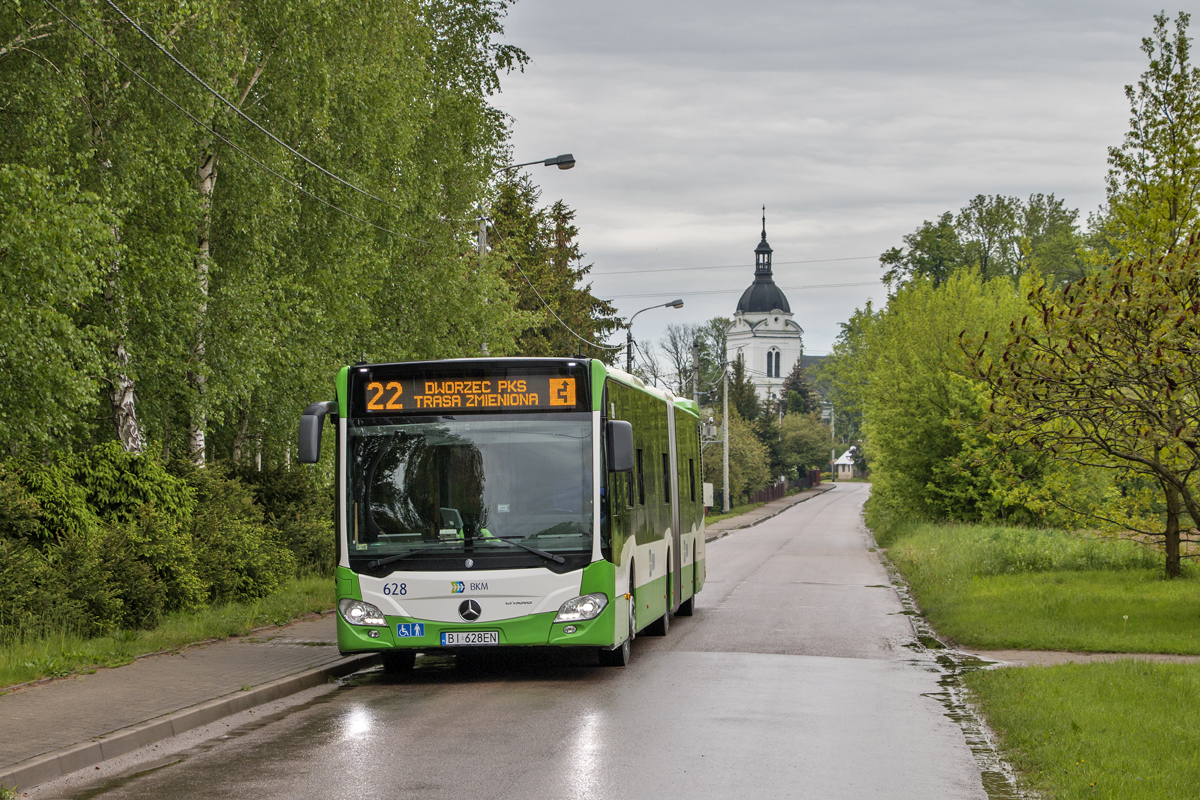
629	331
565	161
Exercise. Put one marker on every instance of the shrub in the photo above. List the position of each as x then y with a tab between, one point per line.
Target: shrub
299	509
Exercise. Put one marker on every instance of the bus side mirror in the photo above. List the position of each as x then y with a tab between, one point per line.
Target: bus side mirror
618	438
311	422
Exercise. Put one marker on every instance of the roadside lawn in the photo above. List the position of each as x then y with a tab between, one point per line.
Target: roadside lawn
997	588
66	653
1125	729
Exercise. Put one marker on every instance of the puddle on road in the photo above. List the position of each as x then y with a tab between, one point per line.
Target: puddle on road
999	779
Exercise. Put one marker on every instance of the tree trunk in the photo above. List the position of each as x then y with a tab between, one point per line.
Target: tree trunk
206	181
1171	537
239	441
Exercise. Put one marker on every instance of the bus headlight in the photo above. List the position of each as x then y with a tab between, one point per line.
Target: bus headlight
356	612
580	608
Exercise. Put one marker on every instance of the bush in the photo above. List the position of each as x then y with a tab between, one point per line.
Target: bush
106	540
300	510
239	556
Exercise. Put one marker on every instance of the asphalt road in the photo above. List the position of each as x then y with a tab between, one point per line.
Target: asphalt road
793	679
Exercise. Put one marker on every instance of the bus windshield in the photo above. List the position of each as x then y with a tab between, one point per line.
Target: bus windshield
504	490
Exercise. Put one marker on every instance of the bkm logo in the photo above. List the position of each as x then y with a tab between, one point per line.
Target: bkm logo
457	587
562	391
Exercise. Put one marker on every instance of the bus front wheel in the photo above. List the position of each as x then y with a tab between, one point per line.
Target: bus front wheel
398	661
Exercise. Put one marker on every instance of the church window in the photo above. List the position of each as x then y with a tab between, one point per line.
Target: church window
777	357
770	363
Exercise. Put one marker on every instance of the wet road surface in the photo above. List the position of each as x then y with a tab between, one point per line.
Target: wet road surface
795	678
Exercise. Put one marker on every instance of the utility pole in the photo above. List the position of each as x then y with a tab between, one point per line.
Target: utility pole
725	434
482	252
696	372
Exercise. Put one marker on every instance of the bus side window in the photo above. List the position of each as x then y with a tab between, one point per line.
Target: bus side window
666	478
641	480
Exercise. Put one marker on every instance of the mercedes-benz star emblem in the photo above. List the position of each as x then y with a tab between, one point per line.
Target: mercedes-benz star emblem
470	563
469	610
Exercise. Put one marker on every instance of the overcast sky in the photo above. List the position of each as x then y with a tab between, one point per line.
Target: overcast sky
852	122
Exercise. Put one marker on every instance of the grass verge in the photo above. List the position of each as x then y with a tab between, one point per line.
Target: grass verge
999	588
736	511
66	653
1107	730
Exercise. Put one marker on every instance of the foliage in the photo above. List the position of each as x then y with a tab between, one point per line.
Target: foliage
203	301
1106	374
537	251
846	383
804	443
798	393
106	540
743	397
54	244
1154	175
994	236
748	462
921	412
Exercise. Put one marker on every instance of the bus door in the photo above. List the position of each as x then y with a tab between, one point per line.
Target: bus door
672	478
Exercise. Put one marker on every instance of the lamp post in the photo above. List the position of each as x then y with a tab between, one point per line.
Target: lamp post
629	331
565	161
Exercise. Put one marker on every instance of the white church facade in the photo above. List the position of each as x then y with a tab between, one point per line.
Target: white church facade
763	332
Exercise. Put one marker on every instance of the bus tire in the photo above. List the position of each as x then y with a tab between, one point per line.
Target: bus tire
661	625
397	662
688	607
617	657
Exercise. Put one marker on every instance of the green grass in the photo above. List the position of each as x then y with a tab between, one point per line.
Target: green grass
736	511
999	588
66	653
1126	729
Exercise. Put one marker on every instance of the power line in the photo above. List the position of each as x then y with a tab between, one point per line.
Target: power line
224	139
735	266
560	322
734	291
241	113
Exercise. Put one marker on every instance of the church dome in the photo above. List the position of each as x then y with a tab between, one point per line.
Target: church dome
763	296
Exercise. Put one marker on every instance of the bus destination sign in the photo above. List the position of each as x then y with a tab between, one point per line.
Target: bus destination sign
512	393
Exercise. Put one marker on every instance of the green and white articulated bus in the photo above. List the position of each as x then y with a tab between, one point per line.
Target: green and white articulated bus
510	502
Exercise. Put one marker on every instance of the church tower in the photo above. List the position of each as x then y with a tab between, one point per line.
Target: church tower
763	332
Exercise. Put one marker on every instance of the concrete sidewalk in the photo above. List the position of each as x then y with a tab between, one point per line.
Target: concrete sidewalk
762	513
55	728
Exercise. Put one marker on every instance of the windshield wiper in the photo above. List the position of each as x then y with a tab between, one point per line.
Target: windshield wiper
383	562
557	559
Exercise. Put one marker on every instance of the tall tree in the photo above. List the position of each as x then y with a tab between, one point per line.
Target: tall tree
797	392
1107	374
932	251
1154	175
542	262
988	229
743	398
676	346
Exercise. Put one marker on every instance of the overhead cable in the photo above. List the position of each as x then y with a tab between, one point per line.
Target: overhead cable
560	322
224	139
241	113
732	291
734	266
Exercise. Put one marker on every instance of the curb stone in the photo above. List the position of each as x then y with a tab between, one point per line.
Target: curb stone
712	537
47	767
